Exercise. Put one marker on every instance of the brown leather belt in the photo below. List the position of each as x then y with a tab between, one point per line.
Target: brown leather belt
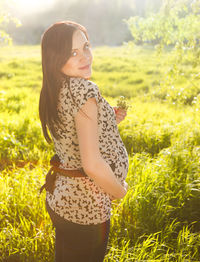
56	170
69	173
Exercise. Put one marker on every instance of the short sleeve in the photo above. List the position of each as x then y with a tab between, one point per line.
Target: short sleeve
81	90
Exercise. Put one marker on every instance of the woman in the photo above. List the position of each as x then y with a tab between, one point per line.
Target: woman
83	127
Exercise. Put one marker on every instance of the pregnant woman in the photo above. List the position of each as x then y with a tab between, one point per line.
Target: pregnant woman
92	162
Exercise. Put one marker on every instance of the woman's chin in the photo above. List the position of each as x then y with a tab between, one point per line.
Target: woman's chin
86	75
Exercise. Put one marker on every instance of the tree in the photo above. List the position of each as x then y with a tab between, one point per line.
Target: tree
6	18
175	26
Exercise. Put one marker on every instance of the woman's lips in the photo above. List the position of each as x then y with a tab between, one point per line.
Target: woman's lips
84	67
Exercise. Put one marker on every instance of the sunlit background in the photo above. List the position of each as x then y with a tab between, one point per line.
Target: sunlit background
33	6
158	220
103	19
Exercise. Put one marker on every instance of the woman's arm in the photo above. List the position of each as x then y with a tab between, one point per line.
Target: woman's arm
93	164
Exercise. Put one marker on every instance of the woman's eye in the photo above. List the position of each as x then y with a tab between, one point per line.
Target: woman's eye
74	53
87	46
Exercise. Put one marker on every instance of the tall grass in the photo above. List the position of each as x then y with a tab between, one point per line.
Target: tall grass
25	226
158	220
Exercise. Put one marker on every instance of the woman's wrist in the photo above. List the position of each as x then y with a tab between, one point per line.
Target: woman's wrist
122	193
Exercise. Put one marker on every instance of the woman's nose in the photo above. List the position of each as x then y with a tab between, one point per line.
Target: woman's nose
85	56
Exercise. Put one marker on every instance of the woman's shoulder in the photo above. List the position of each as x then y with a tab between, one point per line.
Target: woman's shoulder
79	87
83	86
76	81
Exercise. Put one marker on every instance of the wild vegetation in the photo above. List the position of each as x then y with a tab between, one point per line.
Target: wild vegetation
158	220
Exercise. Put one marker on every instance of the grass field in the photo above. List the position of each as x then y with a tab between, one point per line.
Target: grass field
158	220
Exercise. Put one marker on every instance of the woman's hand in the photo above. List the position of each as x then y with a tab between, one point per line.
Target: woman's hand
125	185
120	114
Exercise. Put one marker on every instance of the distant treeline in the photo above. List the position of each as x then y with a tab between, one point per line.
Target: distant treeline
104	19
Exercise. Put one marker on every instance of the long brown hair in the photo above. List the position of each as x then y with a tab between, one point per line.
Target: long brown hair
56	47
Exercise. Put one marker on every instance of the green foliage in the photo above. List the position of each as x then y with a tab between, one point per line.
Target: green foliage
25	226
158	220
175	26
20	130
122	103
177	23
160	213
6	18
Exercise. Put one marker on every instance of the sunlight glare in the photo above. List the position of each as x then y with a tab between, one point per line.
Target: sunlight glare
32	6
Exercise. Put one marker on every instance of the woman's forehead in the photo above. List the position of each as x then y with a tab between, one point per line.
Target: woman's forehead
79	39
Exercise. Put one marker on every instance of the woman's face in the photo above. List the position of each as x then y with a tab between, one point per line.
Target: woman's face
80	62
